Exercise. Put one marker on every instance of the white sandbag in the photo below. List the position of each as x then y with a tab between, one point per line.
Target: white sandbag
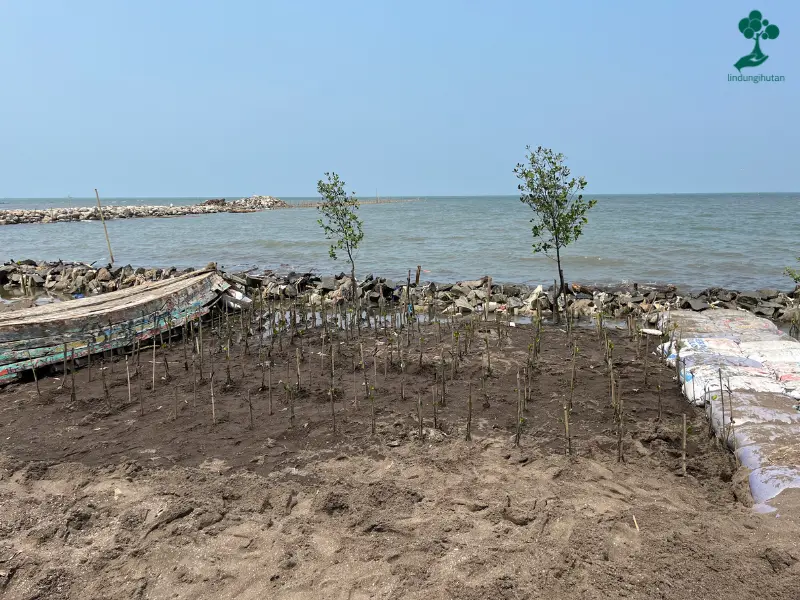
757	347
788	355
767	482
711	345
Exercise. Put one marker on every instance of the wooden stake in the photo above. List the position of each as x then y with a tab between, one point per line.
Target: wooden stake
194	383
105	229
250	408
269	383
435	411
128	375
469	413
683	447
659	403
419	415
35	376
518	433
72	376
106	395
297	358
174	403
567	437
213	404
332	391
153	386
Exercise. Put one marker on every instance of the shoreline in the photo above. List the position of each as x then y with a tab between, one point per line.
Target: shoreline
29	279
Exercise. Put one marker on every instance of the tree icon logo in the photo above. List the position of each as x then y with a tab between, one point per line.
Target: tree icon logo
755	27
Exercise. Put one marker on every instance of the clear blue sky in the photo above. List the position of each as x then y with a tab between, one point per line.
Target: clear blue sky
201	98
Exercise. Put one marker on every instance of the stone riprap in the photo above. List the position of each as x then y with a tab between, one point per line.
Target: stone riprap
460	297
92	213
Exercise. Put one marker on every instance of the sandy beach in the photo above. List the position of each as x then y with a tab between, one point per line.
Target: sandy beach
162	496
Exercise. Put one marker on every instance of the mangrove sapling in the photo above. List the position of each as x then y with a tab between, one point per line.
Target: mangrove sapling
572	375
200	352
269	383
166	365
106	394
213	403
141	395
469	413
659	403
619	414
722	402
64	369
290	392
153	384
35	376
402	377
518	432
297	359
364	372
128	375
72	375
194	384
567	436
419	416
683	446
520	401
435	411
331	393
444	383
250	408
372	409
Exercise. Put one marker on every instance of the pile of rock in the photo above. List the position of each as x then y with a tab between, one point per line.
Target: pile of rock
92	213
460	297
476	296
259	203
76	278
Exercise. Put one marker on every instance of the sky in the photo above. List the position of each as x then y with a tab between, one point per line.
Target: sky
210	98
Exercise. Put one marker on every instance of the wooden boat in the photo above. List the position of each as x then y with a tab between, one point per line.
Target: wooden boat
47	335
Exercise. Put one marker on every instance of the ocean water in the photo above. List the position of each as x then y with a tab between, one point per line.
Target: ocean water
741	241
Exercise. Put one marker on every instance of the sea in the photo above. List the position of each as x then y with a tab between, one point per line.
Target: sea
737	241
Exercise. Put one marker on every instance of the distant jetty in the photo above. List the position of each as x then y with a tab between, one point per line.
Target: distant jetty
215	205
92	213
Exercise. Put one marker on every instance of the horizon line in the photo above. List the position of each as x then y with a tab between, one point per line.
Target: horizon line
209	197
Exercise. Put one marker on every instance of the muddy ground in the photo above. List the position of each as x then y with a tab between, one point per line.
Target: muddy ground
101	501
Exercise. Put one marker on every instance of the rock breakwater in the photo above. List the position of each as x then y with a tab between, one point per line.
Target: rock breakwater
92	213
70	278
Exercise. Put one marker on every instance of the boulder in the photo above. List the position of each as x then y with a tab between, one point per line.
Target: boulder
461	290
790	314
768	294
103	275
463	305
695	304
582	308
748	299
476	295
327	284
764	311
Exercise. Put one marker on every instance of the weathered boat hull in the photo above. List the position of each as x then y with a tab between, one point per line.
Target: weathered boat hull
46	335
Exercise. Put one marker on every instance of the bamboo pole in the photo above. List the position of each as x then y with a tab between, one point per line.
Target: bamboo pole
683	447
128	375
469	413
105	229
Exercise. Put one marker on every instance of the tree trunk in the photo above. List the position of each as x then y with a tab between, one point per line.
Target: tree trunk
356	307
562	290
